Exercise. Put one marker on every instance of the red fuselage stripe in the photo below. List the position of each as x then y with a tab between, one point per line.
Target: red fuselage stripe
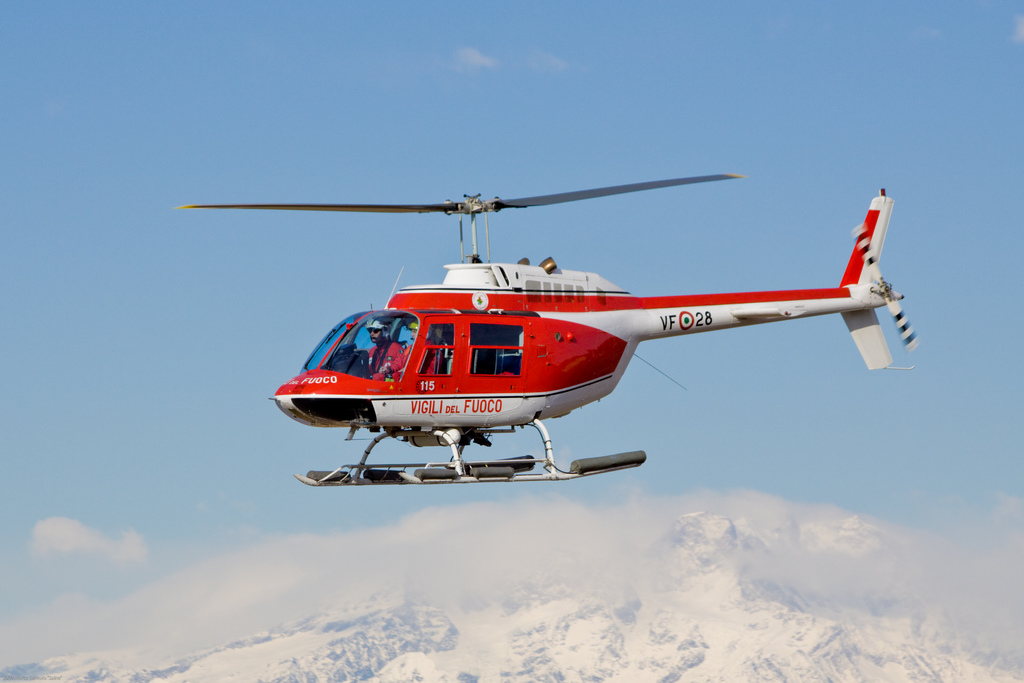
743	297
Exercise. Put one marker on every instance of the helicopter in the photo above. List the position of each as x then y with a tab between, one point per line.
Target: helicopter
498	347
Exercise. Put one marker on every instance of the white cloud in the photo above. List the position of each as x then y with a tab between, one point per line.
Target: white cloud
1018	34
538	60
1008	509
844	561
471	59
64	536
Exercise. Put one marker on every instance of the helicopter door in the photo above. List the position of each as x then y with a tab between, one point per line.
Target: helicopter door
437	362
495	355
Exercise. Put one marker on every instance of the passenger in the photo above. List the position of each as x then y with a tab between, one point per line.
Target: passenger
437	361
435	336
387	358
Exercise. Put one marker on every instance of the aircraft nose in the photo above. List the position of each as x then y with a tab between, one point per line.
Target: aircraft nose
323	400
291	410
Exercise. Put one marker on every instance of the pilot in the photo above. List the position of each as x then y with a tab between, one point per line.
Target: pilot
387	357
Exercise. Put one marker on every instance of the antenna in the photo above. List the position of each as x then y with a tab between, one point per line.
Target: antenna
396	284
662	373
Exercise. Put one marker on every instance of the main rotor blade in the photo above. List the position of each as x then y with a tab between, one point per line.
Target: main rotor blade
366	208
546	199
474	204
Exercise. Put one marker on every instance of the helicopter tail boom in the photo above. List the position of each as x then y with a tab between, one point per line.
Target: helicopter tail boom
861	290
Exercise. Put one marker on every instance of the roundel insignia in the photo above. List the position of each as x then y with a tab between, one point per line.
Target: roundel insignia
685	320
480	301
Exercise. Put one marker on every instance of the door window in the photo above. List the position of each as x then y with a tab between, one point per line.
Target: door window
440	350
496	349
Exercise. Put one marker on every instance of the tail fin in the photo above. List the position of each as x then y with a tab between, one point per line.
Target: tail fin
870	235
868	337
863	269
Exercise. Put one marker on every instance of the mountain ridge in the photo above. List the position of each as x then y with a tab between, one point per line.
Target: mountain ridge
705	602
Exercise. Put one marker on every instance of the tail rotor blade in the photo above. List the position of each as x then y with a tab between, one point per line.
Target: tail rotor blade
907	334
892	298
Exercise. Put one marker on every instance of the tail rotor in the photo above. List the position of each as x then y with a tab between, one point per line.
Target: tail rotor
870	252
892	299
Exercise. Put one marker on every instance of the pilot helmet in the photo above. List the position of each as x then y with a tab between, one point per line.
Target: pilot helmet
375	325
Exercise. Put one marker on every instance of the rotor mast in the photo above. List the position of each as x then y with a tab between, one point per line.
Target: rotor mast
473	205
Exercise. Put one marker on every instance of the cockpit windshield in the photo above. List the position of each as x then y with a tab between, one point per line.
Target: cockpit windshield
374	345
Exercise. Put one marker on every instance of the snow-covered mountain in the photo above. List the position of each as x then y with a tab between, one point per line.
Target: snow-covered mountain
708	601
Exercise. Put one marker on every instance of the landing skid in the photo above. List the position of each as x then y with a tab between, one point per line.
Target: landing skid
461	471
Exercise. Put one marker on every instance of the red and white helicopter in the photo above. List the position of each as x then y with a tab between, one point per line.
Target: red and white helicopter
501	346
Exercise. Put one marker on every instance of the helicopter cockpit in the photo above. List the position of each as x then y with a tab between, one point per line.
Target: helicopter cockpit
371	345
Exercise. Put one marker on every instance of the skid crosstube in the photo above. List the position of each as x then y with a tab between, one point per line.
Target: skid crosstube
474	471
461	471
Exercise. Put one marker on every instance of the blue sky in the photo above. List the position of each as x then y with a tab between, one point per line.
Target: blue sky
140	343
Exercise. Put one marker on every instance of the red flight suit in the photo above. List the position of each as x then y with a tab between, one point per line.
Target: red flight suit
386	360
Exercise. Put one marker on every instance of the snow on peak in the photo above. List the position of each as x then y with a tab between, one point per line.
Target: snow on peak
715	597
850	536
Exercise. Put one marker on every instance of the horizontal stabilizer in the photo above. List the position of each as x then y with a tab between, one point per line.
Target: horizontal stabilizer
867	334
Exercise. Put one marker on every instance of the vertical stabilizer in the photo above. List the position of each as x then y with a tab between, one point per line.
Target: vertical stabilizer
862	268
